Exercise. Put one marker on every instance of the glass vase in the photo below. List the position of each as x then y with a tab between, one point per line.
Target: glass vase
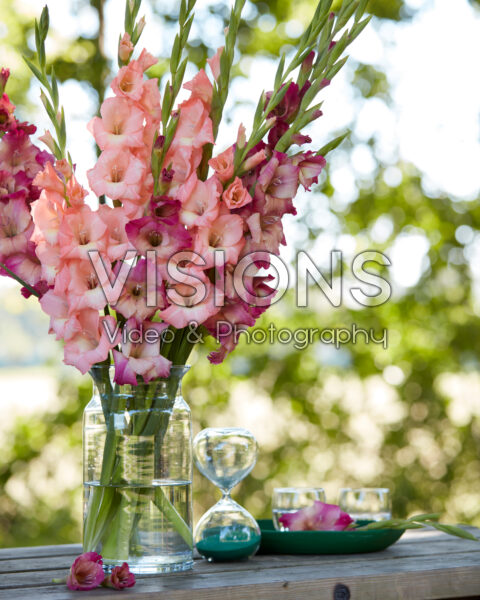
137	445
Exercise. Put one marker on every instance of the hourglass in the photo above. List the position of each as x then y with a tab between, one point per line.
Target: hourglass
225	456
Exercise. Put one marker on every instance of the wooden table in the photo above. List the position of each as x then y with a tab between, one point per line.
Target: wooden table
422	565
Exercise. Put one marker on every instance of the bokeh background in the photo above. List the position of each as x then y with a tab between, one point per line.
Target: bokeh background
406	183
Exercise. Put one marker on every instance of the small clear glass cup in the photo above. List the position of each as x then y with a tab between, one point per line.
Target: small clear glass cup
291	499
368	504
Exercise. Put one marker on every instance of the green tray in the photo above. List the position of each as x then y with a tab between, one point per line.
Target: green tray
324	542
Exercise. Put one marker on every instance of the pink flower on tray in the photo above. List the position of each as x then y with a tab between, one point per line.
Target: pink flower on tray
86	573
319	517
120	578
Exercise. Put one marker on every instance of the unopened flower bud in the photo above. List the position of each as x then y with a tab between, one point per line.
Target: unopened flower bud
159	143
241	136
48	140
125	48
308	62
4	75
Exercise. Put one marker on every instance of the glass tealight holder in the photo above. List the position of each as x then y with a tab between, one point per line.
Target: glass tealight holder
292	499
366	504
226	531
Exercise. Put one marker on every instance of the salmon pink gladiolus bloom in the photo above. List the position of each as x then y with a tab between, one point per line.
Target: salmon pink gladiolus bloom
91	344
129	82
194	128
214	63
121	125
223	164
199	200
118	174
191	299
236	196
319	517
225	233
81	230
201	88
142	358
86	573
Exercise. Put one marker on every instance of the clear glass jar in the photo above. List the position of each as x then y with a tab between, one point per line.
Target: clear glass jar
137	472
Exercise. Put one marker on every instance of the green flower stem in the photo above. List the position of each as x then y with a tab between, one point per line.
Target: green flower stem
173	516
20	281
50	100
221	87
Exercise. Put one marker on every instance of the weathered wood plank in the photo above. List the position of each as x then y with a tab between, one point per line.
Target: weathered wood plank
460	582
36	551
436	547
389	578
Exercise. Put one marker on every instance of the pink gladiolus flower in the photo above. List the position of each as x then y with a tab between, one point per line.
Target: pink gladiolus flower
121	125
129	82
137	289
310	165
194	128
148	233
117	242
86	573
16	226
214	63
191	297
120	578
266	234
319	517
141	358
254	160
236	196
277	185
19	154
201	88
199	200
221	326
91	344
146	60
85	289
48	179
223	164
118	174
125	47
48	140
151	105
25	264
62	324
81	230
166	209
225	233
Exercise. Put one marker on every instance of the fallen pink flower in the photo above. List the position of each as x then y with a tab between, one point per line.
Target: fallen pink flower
319	517
120	578
86	573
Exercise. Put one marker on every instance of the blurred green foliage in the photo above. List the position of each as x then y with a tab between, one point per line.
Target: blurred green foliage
324	416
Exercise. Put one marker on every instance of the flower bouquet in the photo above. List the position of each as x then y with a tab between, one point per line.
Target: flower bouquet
179	244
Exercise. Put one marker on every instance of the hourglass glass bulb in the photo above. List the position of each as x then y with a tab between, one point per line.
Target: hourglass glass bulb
225	455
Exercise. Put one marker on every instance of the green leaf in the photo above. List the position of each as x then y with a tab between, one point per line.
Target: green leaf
34	70
324	150
453	530
425	517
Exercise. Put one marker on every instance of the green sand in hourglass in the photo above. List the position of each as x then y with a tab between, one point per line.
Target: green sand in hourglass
226	531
